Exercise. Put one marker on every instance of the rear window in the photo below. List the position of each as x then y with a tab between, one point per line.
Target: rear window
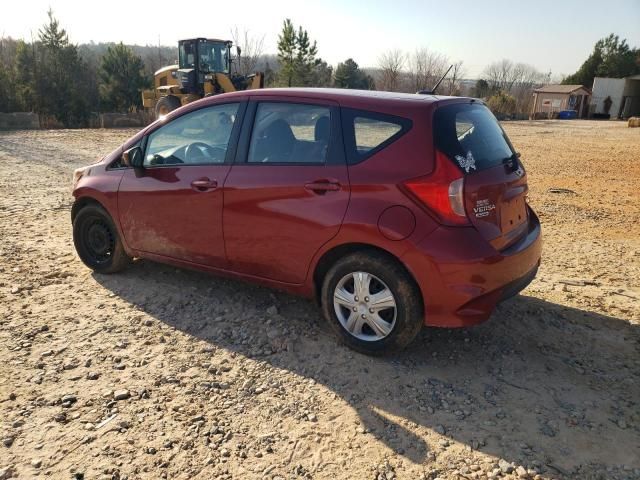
471	136
366	133
371	133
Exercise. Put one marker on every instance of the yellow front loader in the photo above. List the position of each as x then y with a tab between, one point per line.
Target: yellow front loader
204	69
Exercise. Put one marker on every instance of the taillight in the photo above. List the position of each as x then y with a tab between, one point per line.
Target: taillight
442	192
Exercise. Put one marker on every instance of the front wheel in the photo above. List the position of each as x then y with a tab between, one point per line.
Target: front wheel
97	241
372	303
166	105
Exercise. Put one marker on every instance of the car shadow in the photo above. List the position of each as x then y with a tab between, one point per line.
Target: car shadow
541	384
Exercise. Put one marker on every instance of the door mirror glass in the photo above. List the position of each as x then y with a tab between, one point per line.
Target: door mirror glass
133	157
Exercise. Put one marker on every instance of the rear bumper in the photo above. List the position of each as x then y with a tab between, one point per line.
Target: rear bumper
463	278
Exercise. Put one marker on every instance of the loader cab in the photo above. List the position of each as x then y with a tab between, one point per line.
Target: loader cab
199	57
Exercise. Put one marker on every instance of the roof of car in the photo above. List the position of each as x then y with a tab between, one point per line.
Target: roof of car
349	97
394	103
342	93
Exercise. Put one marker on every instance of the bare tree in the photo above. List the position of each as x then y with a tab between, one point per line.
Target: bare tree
501	75
506	75
516	79
426	67
252	47
391	64
454	77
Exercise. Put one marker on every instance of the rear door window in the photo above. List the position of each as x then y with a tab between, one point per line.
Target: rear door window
290	133
366	133
471	137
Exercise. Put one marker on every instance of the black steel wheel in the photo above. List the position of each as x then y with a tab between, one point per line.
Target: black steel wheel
97	241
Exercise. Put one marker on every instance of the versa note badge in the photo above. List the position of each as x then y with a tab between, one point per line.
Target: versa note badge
483	208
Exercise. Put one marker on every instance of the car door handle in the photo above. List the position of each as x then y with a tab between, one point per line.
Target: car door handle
204	185
322	186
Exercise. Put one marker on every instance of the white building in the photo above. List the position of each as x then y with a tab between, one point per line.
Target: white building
623	96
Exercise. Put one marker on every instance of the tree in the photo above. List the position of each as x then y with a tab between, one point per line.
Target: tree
8	95
515	79
452	82
25	76
305	59
5	87
321	74
251	50
121	79
270	76
51	35
611	57
391	64
349	75
501	75
481	89
502	104
60	77
297	56
287	46
426	67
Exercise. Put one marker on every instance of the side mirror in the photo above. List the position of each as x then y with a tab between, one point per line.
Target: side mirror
133	157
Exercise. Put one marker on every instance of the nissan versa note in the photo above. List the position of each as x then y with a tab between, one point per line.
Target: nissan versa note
393	210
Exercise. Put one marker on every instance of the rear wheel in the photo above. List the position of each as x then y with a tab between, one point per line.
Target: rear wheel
166	105
97	241
372	303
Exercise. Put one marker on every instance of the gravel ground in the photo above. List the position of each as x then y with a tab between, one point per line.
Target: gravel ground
166	373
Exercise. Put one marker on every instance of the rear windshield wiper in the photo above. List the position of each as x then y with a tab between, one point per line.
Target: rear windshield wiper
512	161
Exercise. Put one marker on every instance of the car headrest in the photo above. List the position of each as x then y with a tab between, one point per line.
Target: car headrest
279	131
322	129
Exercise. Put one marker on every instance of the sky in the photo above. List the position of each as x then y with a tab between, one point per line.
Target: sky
552	35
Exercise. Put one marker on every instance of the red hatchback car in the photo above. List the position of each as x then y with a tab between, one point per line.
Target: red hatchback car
393	210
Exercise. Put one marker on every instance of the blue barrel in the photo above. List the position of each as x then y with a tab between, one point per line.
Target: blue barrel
567	115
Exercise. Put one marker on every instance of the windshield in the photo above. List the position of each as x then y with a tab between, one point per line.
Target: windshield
213	57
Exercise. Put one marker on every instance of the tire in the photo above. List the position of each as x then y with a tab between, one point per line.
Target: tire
400	323
166	105
97	241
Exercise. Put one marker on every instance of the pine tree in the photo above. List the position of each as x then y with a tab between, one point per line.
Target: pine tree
121	79
349	75
611	57
305	58
287	46
297	56
51	35
25	77
60	78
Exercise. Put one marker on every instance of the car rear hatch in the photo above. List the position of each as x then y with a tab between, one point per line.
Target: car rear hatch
495	183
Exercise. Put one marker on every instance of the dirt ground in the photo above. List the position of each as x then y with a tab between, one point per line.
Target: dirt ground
166	373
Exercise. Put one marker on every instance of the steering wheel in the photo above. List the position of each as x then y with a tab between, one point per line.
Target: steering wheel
198	151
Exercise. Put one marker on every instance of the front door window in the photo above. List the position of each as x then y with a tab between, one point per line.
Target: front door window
197	138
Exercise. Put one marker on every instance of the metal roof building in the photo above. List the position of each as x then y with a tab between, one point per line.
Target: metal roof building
549	100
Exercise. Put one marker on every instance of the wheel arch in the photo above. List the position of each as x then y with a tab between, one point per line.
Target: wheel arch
82	202
331	256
